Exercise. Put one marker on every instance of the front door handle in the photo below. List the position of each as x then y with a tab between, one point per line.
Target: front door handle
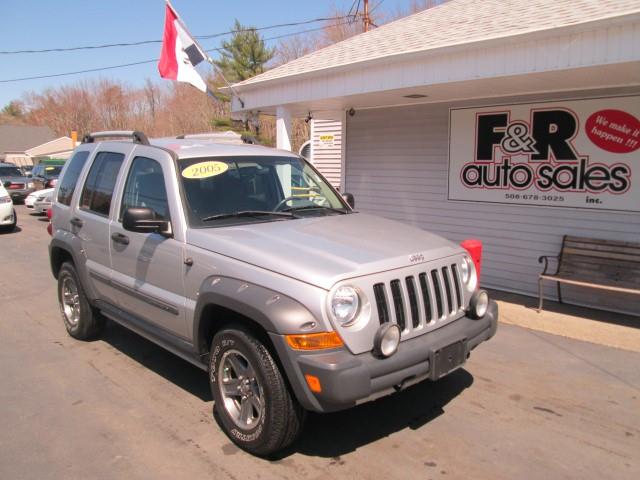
76	222
120	238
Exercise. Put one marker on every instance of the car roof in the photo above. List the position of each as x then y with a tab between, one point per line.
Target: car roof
186	148
202	147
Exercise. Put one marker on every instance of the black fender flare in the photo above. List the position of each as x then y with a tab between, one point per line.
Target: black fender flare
271	310
79	263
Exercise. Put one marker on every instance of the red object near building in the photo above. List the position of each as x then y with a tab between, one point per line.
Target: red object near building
474	247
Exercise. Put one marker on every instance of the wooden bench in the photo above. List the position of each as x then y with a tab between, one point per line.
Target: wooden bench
590	262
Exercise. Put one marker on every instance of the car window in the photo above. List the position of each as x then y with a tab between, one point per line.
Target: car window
226	185
145	188
98	188
68	182
10	172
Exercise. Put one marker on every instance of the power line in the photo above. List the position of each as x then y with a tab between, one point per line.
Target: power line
147	42
142	62
377	5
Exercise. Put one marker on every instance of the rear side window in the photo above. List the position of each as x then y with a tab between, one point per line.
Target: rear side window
68	182
98	189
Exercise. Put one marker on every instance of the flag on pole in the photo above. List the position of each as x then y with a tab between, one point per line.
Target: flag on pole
180	53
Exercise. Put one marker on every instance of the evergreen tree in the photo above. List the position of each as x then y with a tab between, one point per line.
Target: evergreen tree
244	55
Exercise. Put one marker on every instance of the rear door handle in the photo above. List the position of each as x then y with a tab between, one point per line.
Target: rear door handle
76	222
120	238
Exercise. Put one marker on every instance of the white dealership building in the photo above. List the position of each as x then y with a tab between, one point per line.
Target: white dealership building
515	122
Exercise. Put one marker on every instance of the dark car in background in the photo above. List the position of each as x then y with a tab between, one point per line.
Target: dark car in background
17	184
45	176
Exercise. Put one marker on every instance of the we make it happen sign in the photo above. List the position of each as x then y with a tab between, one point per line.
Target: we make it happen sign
578	154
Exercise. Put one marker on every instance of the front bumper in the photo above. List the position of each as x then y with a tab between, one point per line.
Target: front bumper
7	216
349	379
41	207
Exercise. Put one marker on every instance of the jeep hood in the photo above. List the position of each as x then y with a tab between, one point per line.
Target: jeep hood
324	250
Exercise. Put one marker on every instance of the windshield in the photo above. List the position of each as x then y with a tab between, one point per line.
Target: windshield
10	172
230	190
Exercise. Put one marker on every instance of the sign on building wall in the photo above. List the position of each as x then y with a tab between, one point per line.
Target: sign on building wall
578	154
326	141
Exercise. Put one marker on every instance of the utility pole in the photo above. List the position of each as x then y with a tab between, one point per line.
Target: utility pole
366	20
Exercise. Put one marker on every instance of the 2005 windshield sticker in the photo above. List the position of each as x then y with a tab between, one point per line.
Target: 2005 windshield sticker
204	170
578	154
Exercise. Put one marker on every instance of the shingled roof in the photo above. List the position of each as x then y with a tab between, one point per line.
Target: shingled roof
20	138
456	22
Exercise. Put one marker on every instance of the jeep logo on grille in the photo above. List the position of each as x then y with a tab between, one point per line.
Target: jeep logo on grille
416	257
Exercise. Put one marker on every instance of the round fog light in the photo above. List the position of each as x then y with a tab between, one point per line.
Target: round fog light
387	339
479	304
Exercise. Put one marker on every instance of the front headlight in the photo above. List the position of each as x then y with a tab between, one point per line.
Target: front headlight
6	199
464	270
345	305
468	273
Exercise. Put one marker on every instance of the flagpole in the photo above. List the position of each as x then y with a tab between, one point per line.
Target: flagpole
206	56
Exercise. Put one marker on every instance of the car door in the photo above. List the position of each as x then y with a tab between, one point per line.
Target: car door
148	268
90	219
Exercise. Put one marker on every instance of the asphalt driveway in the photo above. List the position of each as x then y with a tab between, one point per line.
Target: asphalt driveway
527	405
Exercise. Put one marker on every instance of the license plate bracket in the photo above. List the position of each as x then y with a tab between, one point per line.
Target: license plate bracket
448	359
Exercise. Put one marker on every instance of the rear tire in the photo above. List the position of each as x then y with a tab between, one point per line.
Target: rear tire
252	400
82	321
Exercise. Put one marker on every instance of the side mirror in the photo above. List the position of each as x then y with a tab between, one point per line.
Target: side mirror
143	220
349	198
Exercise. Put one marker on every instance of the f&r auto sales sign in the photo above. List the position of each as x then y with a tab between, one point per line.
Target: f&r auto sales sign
577	154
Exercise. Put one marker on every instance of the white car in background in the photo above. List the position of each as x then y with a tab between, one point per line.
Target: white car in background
8	217
33	196
43	200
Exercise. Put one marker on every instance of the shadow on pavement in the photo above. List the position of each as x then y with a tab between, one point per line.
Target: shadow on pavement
334	434
325	435
171	367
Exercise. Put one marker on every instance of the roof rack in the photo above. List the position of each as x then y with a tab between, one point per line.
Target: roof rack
136	136
228	137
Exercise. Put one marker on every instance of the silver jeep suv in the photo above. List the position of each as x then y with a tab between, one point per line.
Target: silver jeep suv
244	261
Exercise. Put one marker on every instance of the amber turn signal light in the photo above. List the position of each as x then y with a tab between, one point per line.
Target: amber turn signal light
314	341
314	383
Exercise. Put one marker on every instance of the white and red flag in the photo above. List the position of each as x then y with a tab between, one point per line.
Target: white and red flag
180	53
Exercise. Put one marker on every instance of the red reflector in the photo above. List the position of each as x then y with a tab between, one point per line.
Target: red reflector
474	247
50	229
49	213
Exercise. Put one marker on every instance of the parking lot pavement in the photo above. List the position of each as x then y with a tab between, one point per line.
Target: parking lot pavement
527	405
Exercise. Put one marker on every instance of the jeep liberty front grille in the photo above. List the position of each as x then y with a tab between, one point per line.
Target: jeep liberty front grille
436	296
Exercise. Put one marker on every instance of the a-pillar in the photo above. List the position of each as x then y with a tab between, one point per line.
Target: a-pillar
283	128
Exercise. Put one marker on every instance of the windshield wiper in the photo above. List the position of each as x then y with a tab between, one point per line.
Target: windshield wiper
313	207
248	213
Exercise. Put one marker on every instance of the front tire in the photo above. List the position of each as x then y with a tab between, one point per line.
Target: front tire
252	400
80	319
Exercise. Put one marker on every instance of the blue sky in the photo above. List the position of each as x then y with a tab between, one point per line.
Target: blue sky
40	24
